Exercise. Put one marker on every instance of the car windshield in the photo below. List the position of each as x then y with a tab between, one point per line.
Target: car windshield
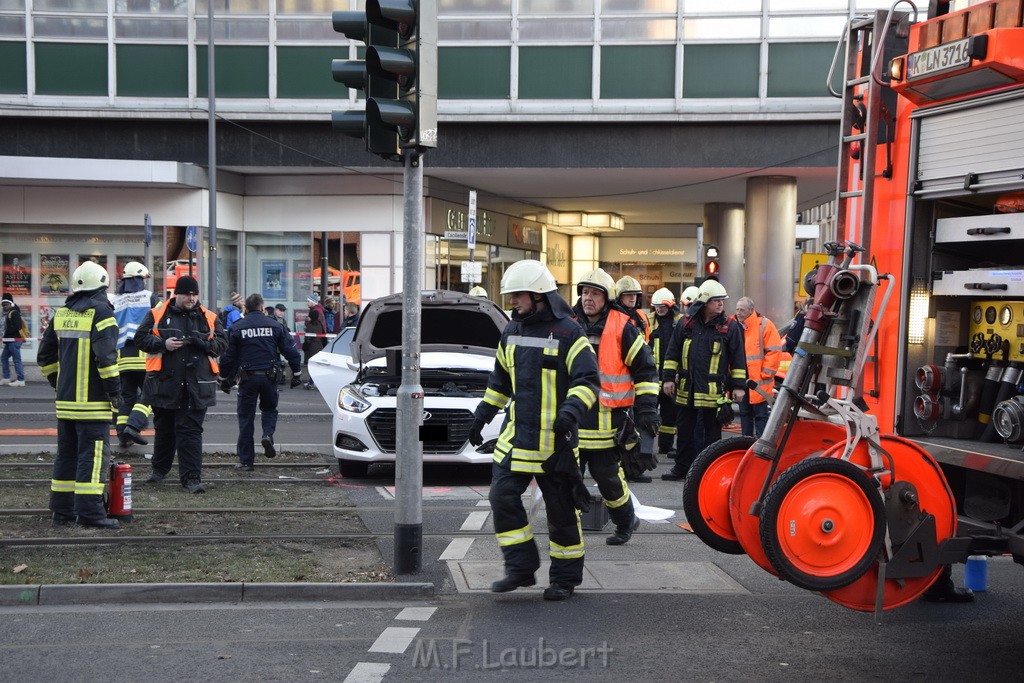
342	343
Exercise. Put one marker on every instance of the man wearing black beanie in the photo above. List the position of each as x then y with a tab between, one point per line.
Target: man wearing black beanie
184	341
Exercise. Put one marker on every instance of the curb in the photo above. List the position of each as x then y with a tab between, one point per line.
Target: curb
34	595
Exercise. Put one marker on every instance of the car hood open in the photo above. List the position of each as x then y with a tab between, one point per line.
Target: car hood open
450	322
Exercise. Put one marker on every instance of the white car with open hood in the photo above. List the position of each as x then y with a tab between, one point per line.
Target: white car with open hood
359	373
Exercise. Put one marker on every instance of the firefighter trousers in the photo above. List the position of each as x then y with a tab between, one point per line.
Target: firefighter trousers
698	428
515	537
255	387
179	430
134	411
611	482
79	469
667	430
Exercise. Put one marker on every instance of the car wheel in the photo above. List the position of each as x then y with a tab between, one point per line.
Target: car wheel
353	469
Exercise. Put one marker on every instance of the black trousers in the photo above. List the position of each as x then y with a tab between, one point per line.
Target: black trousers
255	387
515	537
134	410
697	428
611	482
80	469
179	430
667	431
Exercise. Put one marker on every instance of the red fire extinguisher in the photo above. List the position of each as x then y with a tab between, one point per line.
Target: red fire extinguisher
119	500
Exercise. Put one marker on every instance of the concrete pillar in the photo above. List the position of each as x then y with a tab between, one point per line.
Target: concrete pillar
723	227
770	240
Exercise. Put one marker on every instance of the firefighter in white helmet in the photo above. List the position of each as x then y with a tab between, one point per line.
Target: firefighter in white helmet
132	301
478	291
704	365
688	296
666	315
630	295
545	379
78	357
629	382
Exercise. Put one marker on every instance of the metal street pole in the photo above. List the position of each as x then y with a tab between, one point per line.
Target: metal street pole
211	265
324	265
409	458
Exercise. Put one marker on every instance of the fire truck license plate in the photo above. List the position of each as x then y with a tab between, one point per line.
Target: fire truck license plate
938	59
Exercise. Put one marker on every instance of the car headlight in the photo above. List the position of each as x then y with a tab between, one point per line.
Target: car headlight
351	400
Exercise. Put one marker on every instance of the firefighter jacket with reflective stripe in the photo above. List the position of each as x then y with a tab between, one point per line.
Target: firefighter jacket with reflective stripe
79	353
544	366
661	333
130	309
763	348
707	358
628	376
186	378
637	317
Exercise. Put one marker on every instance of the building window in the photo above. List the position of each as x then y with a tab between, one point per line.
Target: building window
88	77
555	72
638	71
241	71
720	70
799	69
473	72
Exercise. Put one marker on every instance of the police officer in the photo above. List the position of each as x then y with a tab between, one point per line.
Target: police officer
183	340
78	357
666	315
132	302
254	345
545	378
705	354
629	379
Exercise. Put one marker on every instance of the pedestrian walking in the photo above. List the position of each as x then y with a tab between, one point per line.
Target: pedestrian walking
666	315
312	343
545	378
183	340
14	328
703	364
630	296
78	357
763	349
131	302
255	343
232	312
629	382
352	313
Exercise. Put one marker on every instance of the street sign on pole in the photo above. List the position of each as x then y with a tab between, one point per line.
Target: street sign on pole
149	230
192	238
472	272
472	224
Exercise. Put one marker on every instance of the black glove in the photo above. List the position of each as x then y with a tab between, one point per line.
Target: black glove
563	465
648	421
225	385
197	340
725	414
475	436
647	461
115	402
564	424
296	381
52	379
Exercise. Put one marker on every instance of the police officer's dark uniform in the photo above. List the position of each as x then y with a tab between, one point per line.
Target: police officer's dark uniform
181	383
78	356
254	345
629	378
545	377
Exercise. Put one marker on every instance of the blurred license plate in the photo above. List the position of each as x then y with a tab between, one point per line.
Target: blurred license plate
938	59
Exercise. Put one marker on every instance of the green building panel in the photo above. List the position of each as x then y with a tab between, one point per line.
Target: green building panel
720	70
13	68
305	73
552	73
242	71
638	71
71	69
800	69
152	70
473	73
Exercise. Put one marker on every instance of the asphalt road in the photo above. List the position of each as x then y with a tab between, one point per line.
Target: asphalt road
662	608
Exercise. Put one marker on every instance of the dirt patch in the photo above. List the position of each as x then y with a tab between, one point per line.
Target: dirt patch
235	517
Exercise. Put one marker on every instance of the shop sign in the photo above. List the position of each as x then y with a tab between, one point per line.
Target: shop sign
679	272
524	235
558	255
452	222
647	250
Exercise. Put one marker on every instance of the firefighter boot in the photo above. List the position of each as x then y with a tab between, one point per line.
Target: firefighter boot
622	534
512	582
558	591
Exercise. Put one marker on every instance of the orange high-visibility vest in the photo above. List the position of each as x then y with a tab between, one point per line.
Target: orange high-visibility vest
616	382
155	361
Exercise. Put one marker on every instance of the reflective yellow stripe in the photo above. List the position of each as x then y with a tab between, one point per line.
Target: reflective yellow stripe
568	552
88	416
647	388
108	371
638	344
82	372
106	322
122	420
142	409
88	489
495	399
95	477
62	486
48	370
514	537
130	363
585	394
548	405
666	429
578	347
670	365
686	355
619	502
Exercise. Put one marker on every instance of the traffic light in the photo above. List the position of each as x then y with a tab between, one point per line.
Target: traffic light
711	262
398	75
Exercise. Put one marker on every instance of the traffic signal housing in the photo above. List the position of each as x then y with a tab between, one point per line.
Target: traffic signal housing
711	266
398	75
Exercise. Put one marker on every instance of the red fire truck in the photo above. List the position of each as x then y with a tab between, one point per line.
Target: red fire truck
894	447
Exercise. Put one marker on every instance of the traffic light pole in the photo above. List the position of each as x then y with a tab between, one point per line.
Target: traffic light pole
409	458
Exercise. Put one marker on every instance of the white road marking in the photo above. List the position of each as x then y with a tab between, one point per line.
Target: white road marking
457	549
483	503
394	639
367	672
475	521
416	613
